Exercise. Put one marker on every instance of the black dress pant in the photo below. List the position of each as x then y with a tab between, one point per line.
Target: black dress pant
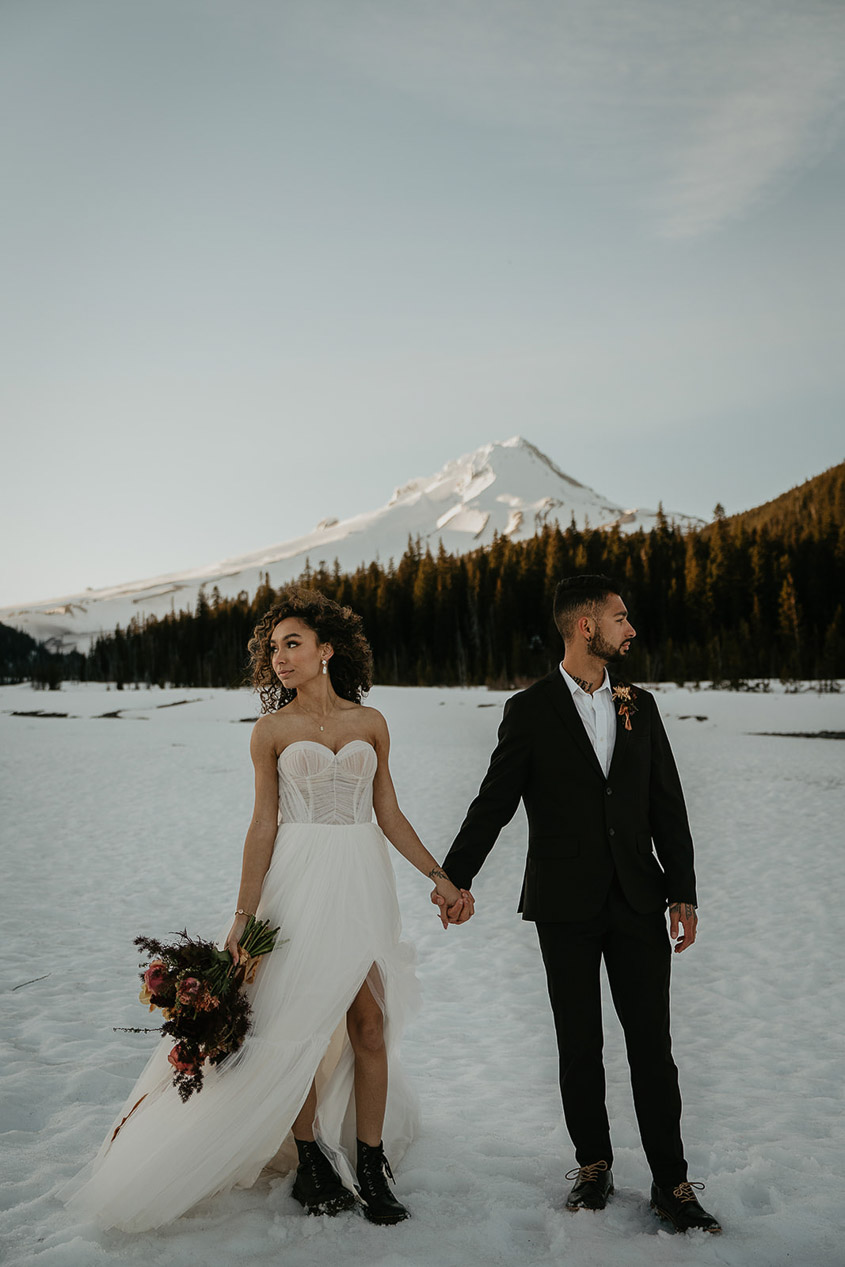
637	955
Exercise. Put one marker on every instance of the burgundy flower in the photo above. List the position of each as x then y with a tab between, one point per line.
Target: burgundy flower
181	1059
156	978
190	990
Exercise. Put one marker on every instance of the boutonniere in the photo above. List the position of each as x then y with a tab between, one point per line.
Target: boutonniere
624	695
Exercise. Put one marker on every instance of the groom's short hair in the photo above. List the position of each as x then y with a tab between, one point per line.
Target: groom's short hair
577	596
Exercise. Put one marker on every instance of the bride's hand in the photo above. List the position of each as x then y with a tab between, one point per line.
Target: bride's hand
234	936
454	906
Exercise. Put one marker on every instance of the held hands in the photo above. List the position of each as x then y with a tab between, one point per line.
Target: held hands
682	914
454	906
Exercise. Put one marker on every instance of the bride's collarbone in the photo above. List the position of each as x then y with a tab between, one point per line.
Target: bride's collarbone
335	730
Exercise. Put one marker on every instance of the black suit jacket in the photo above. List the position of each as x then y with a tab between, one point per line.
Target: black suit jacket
581	827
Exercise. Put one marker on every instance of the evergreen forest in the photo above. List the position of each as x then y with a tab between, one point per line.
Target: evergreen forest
755	596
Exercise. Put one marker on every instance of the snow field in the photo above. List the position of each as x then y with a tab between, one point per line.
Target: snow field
115	826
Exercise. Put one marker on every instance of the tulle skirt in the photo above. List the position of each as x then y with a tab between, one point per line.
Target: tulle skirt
331	890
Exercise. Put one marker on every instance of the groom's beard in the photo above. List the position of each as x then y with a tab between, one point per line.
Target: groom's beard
603	650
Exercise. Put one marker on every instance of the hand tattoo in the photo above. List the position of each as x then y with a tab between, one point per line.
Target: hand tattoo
685	909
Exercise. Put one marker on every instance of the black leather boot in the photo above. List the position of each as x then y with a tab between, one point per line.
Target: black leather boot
593	1185
680	1207
317	1185
380	1205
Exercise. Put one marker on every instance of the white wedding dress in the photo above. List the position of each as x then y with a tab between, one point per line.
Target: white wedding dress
330	888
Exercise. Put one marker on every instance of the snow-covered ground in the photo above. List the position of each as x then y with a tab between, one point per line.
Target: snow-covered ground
114	825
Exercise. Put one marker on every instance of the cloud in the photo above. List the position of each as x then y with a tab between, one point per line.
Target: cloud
699	108
782	112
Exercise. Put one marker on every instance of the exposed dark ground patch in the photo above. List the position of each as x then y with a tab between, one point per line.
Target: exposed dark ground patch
31	981
37	712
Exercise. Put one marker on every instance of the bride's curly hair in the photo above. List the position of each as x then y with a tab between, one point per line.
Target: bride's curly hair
351	666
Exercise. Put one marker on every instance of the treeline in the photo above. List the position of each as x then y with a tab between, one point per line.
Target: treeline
758	595
725	604
818	503
23	659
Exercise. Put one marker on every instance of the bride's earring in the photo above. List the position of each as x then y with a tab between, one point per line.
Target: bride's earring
325	664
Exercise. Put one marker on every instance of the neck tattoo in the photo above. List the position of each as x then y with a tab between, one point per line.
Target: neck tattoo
587	687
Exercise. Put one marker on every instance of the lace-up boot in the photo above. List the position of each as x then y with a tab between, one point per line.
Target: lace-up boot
593	1185
317	1185
374	1170
680	1207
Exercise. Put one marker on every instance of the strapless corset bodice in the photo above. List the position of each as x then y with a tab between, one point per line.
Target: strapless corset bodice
317	785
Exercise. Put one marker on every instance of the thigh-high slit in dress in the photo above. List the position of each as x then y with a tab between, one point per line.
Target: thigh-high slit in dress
331	890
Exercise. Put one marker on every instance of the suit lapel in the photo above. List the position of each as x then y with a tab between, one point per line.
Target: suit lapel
564	706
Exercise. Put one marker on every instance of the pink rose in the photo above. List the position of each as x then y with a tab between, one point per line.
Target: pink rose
181	1060
156	978
190	990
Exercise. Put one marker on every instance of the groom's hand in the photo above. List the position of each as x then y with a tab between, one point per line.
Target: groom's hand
682	914
459	912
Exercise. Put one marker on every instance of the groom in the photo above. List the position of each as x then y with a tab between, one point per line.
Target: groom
609	848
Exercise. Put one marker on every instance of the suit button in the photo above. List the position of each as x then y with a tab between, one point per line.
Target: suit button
609	791
611	832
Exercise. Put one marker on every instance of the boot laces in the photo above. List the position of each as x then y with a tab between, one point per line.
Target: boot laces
322	1171
377	1164
587	1174
684	1191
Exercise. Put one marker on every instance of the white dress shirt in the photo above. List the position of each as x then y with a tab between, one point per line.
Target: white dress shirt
598	714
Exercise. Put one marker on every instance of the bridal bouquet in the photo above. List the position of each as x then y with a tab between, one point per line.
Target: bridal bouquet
198	990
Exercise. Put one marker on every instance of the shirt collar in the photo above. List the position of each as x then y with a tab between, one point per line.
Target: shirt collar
574	687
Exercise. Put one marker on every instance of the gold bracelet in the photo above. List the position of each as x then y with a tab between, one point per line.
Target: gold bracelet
248	914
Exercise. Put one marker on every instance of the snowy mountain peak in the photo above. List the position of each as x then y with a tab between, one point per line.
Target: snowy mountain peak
468	476
509	487
517	441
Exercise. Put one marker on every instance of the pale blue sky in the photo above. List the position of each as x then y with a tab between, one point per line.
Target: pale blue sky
263	260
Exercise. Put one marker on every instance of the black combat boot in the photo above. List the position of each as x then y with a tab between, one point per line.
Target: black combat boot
317	1185
380	1205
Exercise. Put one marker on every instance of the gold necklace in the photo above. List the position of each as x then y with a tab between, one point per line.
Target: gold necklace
308	713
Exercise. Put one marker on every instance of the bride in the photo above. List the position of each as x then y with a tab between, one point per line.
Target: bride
329	1002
